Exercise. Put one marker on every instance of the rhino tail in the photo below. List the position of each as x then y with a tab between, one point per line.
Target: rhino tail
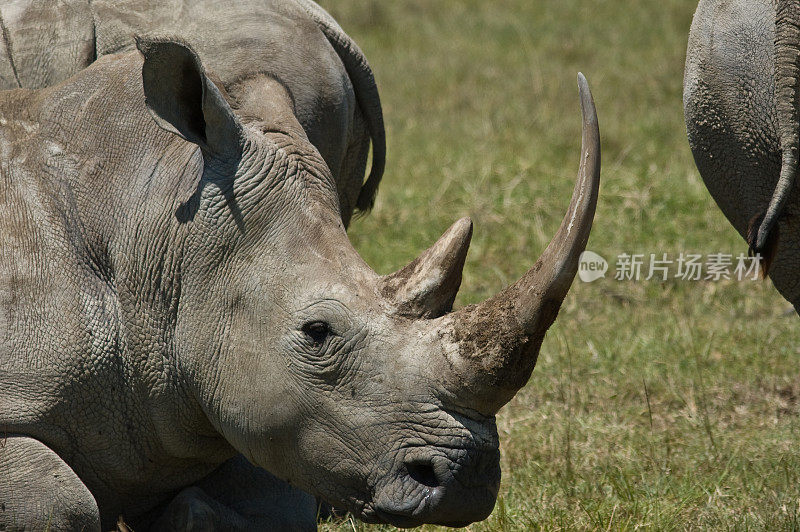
366	92
768	250
787	92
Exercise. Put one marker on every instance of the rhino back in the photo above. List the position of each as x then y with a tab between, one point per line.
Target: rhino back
41	45
46	44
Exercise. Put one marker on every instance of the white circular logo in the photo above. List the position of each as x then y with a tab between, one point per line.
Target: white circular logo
591	267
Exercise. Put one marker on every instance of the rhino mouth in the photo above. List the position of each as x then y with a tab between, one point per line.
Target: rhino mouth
404	521
410	519
399	520
428	510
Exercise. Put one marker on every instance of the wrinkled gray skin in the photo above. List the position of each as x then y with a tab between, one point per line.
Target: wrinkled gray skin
296	42
177	289
740	103
244	42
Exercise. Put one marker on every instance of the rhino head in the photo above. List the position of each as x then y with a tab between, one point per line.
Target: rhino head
365	390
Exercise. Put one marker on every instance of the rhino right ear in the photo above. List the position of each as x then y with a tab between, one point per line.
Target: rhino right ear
182	100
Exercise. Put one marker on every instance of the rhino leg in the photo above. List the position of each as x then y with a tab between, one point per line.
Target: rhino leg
240	496
39	491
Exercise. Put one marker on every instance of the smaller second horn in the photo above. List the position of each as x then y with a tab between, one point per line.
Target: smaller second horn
427	287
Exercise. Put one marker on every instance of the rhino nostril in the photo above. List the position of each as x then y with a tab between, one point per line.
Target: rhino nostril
422	472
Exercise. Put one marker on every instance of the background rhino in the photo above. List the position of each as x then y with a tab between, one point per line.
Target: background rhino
244	43
741	107
172	297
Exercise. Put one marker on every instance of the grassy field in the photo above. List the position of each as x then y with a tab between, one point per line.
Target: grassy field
657	405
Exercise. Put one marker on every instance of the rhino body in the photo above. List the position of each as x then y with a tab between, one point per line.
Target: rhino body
179	303
243	42
740	103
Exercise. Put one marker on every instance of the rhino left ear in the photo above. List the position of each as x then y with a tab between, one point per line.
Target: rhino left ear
183	100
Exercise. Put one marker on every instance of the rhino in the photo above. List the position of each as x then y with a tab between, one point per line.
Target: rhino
245	43
189	340
740	97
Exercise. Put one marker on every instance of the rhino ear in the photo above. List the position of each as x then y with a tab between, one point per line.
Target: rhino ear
183	100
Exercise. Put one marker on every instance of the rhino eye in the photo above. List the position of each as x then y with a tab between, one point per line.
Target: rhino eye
317	331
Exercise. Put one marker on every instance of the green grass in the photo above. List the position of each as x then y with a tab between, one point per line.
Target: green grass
654	405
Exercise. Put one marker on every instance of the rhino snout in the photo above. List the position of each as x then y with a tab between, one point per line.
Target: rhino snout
452	487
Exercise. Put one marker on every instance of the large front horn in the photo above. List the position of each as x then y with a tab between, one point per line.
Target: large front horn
497	341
